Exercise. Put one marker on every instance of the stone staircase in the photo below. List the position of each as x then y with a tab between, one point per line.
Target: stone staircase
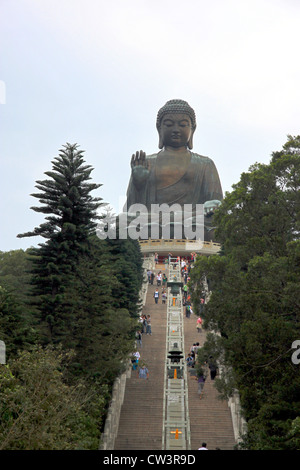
141	419
140	426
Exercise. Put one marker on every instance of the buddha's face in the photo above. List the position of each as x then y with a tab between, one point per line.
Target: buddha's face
176	130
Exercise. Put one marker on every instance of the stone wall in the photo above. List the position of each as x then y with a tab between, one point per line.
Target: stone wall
113	416
238	422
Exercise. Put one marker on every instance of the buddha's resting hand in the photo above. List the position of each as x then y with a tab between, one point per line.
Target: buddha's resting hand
139	167
210	207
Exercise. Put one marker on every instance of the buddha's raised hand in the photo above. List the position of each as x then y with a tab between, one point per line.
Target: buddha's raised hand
140	167
139	159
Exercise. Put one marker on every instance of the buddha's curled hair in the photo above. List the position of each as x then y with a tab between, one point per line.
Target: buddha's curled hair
176	106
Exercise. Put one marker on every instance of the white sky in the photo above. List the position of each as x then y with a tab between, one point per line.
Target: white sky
96	72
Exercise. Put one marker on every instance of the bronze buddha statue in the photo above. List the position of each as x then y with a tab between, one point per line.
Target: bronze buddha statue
175	175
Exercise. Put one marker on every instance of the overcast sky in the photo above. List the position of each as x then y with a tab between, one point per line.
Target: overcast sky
95	73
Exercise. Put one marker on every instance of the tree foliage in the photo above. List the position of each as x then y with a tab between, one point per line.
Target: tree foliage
39	411
255	300
69	335
16	329
98	322
71	215
15	275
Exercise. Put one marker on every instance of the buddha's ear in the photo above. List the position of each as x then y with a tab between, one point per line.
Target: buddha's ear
160	142
190	142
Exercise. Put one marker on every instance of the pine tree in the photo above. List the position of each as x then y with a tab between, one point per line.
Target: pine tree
71	214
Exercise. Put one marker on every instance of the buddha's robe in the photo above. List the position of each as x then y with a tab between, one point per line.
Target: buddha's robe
197	182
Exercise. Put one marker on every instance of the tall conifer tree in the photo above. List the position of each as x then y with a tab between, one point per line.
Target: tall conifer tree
71	214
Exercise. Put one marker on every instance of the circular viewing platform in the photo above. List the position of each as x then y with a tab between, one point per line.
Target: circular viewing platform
179	247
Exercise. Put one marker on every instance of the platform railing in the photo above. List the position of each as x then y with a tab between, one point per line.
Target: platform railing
179	245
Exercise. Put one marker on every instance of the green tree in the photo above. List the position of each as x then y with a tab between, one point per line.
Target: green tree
255	303
15	329
15	275
127	264
71	215
17	315
39	411
99	329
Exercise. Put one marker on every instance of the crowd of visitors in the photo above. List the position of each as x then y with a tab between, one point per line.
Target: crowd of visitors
145	321
159	279
202	370
145	329
191	358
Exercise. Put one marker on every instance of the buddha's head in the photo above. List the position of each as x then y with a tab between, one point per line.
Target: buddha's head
179	112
